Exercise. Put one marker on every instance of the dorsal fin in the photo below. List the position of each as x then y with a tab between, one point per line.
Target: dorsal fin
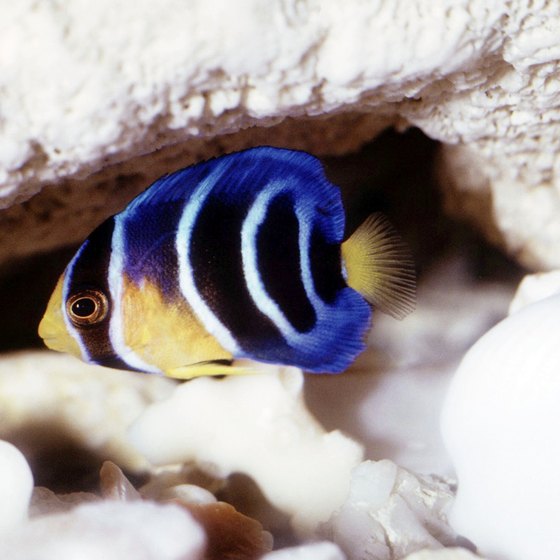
248	171
379	266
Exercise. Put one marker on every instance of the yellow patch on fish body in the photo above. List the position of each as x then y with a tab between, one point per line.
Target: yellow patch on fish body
163	333
53	329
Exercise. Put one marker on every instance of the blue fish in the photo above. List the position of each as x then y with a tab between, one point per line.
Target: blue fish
238	258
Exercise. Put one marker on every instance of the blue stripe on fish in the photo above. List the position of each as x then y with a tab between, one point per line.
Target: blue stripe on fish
149	247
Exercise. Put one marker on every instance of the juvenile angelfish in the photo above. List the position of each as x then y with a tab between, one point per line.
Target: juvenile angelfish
240	257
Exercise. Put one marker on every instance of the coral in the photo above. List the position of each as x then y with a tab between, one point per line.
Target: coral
390	513
303	470
66	404
443	554
16	485
500	423
315	551
110	530
535	287
45	501
229	533
88	110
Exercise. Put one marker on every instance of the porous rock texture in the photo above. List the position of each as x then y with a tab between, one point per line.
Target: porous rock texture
100	98
54	407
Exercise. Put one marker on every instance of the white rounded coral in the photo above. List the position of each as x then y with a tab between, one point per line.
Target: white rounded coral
500	423
16	484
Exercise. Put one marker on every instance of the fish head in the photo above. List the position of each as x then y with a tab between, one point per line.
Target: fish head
64	318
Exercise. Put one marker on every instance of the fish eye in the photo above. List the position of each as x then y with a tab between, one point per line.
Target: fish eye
87	307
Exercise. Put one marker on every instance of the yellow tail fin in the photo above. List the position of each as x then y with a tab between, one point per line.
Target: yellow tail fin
379	266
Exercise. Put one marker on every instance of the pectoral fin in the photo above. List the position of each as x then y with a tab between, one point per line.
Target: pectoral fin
210	368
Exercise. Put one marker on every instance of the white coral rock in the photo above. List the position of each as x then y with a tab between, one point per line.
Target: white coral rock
16	485
257	425
313	551
104	82
500	425
535	287
443	554
46	397
109	530
129	77
390	513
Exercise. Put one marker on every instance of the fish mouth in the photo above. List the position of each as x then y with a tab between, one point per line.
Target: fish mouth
56	337
48	329
47	339
52	343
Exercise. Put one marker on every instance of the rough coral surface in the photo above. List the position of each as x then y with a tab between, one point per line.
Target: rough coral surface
301	469
97	84
261	425
51	400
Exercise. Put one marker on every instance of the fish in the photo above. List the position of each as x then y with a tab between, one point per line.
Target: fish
235	260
